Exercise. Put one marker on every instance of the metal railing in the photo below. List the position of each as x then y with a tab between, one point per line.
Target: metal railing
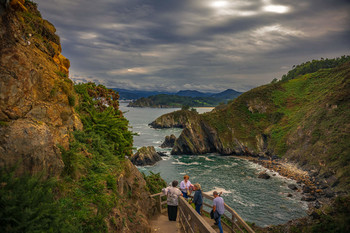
191	221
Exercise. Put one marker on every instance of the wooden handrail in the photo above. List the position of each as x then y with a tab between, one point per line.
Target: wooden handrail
191	221
234	219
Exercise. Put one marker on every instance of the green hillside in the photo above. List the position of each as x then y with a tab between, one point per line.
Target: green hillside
305	120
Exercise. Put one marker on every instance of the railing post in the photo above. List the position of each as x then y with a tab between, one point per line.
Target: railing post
160	203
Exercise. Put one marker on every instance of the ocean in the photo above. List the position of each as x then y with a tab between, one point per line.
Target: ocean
263	202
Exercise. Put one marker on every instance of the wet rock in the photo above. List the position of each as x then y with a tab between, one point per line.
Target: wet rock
264	175
145	156
162	154
169	141
292	187
306	189
308	198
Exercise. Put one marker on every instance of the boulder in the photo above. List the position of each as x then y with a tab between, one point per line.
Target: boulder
292	187
263	175
145	156
169	141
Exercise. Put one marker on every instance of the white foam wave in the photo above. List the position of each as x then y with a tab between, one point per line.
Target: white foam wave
218	189
186	164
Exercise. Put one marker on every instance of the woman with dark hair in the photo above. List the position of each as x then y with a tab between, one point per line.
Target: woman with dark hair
173	194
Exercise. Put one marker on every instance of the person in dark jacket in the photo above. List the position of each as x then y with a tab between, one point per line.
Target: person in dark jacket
198	198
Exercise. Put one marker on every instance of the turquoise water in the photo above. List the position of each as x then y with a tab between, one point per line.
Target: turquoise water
264	202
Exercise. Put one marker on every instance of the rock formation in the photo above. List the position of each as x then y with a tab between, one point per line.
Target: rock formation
36	96
177	119
169	141
145	156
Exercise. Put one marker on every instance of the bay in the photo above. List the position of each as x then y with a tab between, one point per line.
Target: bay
263	202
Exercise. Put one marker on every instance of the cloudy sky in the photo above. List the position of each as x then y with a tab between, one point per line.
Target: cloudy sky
205	45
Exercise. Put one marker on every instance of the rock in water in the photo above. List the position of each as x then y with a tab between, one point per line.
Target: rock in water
292	187
169	141
264	175
145	156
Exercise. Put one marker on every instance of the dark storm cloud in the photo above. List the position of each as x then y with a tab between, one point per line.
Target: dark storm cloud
195	44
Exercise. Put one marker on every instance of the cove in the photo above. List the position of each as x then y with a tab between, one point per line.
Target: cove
263	202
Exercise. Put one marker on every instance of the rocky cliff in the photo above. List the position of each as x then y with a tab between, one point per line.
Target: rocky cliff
304	120
75	135
36	96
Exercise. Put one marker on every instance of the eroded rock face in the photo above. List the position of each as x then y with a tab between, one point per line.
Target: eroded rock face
35	112
145	156
169	141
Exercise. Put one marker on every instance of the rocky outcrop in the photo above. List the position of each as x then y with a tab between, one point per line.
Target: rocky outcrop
264	175
200	137
36	96
145	156
305	131
177	119
169	141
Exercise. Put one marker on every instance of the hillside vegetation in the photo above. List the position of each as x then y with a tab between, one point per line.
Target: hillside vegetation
305	120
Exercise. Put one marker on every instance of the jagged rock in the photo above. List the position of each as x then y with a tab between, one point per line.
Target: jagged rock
145	156
292	187
169	141
162	154
264	175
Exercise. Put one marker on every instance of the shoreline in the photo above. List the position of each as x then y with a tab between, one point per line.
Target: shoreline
314	192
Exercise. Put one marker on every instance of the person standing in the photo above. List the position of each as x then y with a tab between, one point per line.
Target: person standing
219	207
185	186
198	198
173	194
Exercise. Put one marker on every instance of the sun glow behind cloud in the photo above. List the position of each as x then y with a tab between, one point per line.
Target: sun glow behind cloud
219	4
276	9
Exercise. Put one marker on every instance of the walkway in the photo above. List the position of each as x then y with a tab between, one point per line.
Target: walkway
161	224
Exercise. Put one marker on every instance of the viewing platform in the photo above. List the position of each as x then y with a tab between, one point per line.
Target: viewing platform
190	221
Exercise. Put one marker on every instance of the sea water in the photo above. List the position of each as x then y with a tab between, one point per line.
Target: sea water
263	202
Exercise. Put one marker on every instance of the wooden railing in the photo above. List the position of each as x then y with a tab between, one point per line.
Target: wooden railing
235	221
191	221
161	205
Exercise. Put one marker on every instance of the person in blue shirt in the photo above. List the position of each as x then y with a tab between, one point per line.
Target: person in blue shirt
198	198
219	207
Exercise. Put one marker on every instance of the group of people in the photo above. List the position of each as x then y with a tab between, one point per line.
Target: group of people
186	188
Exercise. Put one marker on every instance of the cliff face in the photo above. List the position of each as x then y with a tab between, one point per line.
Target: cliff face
35	112
177	119
304	120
